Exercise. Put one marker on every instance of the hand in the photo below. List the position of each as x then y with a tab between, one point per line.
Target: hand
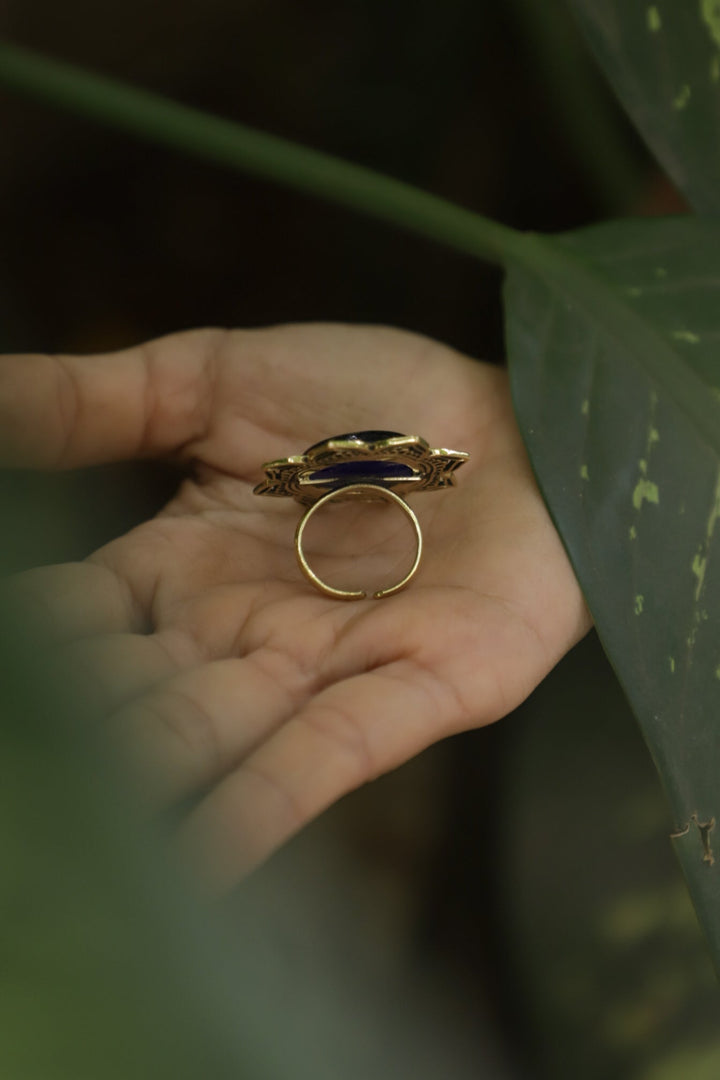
217	665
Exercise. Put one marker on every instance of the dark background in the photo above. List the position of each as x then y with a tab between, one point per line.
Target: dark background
107	240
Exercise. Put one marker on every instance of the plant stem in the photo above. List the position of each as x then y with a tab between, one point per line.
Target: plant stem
161	120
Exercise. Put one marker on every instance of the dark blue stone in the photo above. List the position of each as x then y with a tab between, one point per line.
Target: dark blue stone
358	436
360	472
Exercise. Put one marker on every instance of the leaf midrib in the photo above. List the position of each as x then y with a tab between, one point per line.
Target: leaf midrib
613	317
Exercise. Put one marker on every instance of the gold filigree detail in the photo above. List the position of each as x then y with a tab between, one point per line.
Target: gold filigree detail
296	477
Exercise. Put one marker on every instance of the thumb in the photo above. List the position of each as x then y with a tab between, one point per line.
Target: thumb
65	411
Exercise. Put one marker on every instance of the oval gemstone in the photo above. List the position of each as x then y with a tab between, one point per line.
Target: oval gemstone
361	472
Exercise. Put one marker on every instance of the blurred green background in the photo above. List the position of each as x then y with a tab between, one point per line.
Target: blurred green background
505	906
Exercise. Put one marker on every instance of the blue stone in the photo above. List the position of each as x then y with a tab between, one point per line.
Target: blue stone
361	472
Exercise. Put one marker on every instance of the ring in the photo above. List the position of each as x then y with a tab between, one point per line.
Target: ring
366	465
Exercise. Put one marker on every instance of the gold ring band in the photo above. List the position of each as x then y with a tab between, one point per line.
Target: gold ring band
371	491
360	464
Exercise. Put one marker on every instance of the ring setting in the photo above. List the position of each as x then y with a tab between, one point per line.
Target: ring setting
365	465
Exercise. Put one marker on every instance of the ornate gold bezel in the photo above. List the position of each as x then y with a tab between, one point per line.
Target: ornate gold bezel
432	469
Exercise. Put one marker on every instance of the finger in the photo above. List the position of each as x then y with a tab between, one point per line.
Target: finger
193	728
350	733
457	674
103	673
73	600
66	411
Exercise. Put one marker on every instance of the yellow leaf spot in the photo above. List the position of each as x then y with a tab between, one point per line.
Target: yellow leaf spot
639	602
653	435
710	11
642	465
654	22
671	661
645	490
682	97
717	672
699	565
686	335
714	510
585	407
633	533
584	472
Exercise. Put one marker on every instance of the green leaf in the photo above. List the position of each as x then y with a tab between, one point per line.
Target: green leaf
614	347
108	970
663	60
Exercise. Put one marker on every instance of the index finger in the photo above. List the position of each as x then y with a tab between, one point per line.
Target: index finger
67	411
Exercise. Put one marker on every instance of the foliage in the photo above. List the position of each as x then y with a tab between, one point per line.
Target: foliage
619	353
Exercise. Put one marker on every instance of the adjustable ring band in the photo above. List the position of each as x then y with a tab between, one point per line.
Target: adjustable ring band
361	464
373	491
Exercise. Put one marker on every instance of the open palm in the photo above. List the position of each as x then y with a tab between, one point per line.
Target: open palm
217	665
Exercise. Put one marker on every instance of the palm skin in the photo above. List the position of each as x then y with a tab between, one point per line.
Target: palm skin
219	668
